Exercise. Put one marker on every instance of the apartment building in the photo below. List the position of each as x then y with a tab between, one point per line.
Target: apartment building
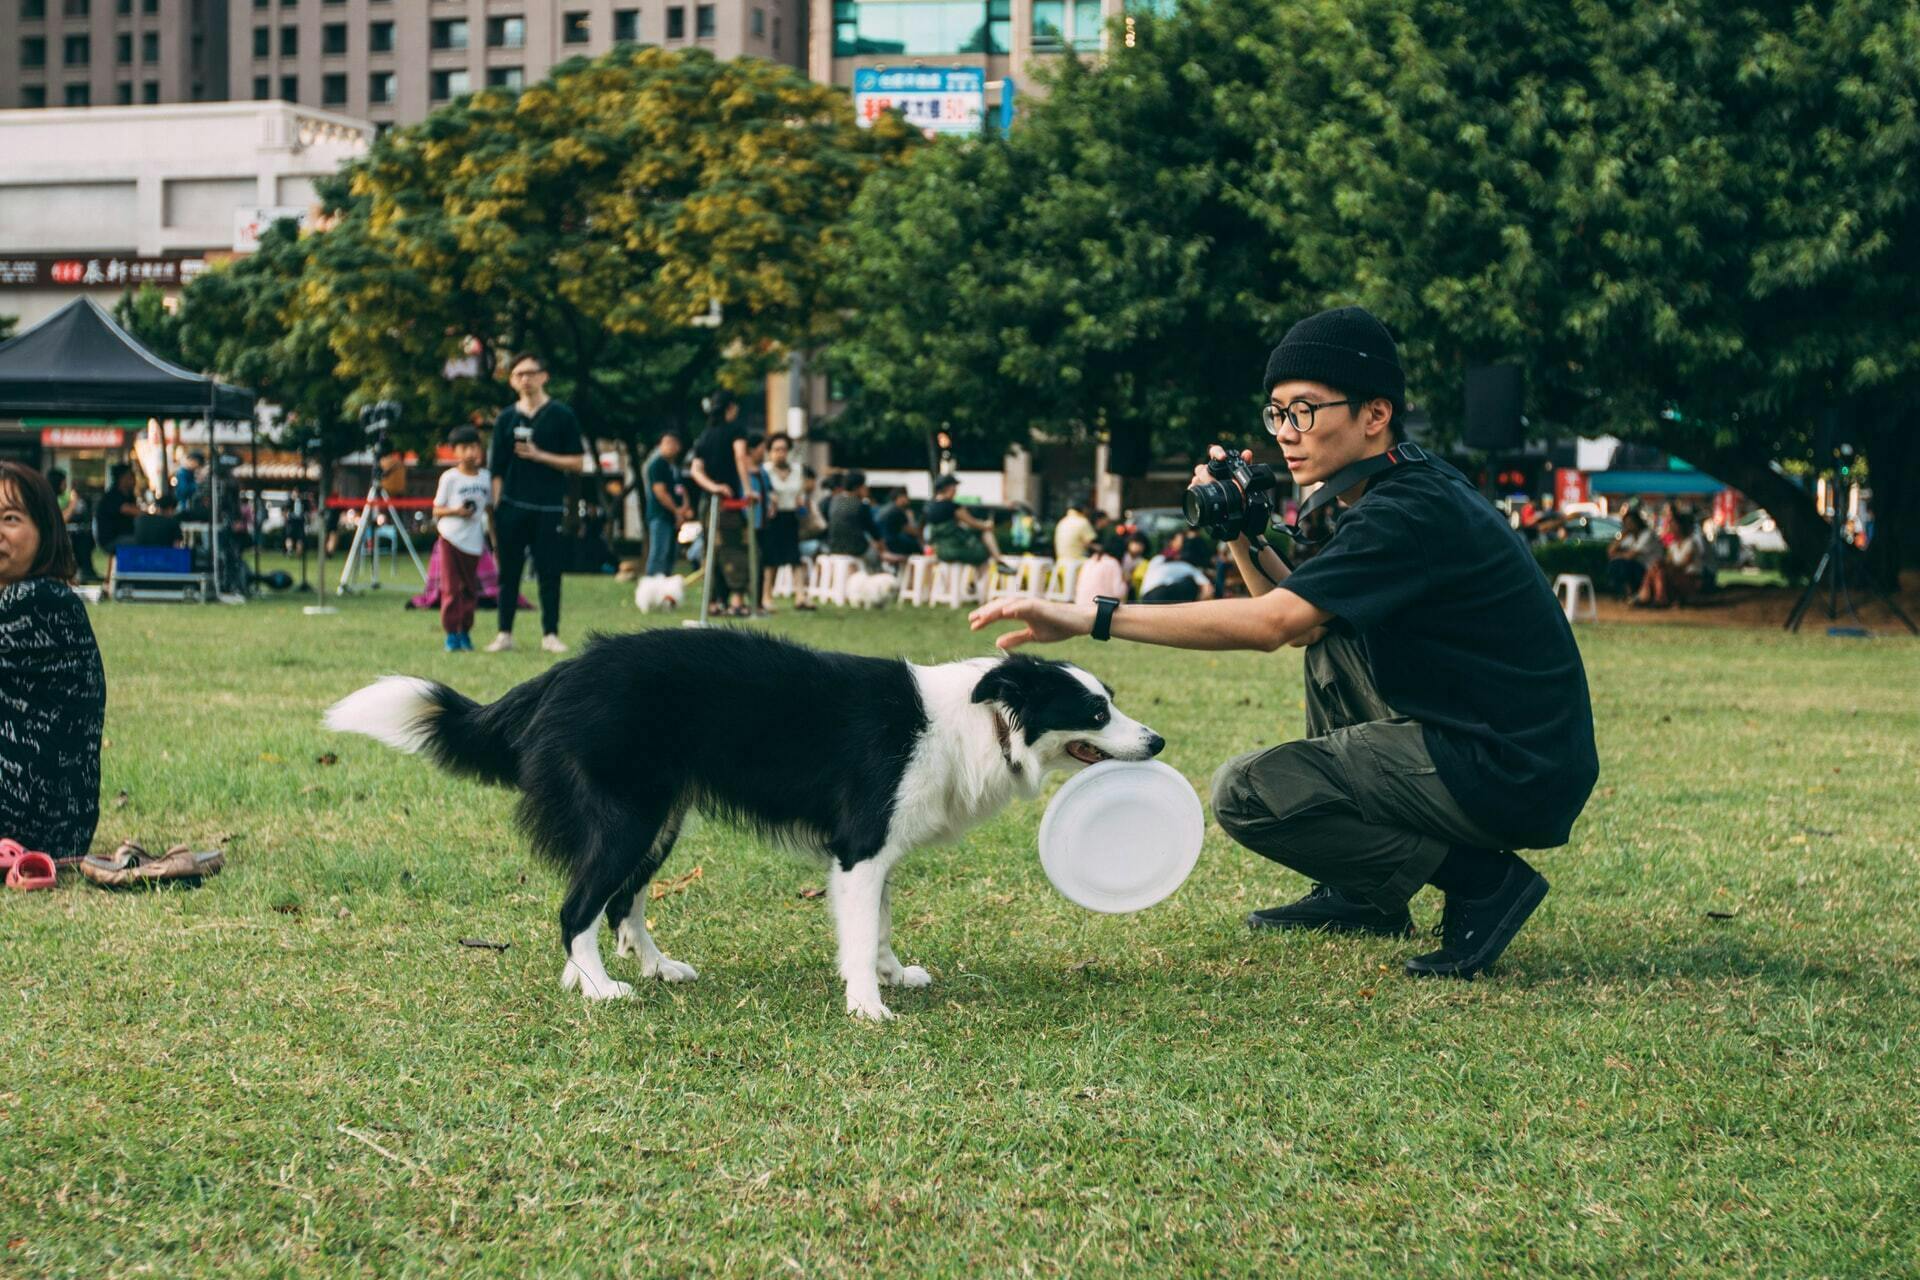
393	61
96	53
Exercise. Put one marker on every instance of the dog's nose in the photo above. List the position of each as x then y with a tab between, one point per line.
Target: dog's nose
1154	743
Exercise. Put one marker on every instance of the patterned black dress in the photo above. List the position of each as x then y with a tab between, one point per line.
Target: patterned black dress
53	701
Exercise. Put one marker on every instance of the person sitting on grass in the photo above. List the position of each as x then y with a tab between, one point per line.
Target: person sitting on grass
956	535
1180	575
53	691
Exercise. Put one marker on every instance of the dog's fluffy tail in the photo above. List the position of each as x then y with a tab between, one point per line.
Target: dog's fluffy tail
449	728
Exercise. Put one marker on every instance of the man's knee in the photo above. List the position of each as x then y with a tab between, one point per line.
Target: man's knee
1237	807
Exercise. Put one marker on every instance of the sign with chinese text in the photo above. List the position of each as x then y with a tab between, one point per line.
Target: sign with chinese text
250	222
933	100
1570	486
82	437
98	271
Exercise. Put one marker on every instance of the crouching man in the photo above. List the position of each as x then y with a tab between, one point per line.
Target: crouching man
1448	720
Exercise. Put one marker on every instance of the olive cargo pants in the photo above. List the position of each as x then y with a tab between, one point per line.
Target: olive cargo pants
1356	804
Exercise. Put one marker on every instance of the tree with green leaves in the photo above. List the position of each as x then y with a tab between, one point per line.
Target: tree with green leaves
144	313
1093	271
7	325
1692	224
601	216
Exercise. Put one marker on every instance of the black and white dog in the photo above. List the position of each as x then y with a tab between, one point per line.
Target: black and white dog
859	759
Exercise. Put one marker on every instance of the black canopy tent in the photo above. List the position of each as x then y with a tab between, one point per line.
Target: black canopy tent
78	363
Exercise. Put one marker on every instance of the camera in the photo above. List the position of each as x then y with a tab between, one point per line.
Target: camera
377	419
1238	500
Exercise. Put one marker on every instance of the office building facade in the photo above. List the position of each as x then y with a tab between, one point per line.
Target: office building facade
101	53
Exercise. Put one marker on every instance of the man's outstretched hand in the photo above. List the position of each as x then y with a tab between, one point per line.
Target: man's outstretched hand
1047	622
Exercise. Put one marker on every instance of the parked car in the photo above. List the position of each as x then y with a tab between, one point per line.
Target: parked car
1757	532
1591	528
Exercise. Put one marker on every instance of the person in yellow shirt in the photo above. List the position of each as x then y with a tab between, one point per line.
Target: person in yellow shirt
1073	536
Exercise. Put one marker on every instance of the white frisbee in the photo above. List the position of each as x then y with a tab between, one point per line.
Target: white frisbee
1121	835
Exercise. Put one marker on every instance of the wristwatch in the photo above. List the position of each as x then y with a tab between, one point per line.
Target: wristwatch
1103	607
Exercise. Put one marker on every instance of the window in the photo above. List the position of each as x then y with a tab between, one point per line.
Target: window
75	9
149	91
262	42
333	38
33	51
451	84
123	50
289	41
573	28
79	51
776	32
931	26
290	88
150	47
507	77
1086	24
1049	23
450	33
149	6
80	95
380	87
123	93
507	33
704	25
758	25
333	90
676	23
262	88
33	95
380	37
626	24
123	8
262	4
30	10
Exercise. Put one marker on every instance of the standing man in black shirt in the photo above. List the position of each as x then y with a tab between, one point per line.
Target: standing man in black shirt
1447	707
536	445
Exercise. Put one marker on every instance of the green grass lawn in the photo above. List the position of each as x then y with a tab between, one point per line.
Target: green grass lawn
1700	1058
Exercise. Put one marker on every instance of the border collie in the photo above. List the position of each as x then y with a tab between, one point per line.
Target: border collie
858	759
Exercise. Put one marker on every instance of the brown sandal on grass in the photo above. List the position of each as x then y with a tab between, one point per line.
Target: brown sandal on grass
131	866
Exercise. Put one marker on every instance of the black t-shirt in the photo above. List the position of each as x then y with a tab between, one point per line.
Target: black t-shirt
1463	634
714	448
892	521
524	482
109	521
661	472
940	511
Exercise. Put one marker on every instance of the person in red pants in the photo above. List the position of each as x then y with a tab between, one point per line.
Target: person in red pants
459	510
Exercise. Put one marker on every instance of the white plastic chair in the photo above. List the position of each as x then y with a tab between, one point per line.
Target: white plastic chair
834	576
783	582
1062	579
916	585
1571	587
956	585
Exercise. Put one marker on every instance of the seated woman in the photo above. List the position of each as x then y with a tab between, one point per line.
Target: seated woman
1677	578
955	533
1630	555
52	689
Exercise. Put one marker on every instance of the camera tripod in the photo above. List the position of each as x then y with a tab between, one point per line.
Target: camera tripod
364	535
1832	574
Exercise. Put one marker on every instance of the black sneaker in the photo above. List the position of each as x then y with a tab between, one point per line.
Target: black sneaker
1328	909
1474	931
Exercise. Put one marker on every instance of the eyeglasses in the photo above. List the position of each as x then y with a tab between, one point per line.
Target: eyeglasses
1299	414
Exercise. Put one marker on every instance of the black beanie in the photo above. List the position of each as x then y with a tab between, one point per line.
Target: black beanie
1347	349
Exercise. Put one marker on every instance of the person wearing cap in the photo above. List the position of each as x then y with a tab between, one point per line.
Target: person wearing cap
1448	719
955	533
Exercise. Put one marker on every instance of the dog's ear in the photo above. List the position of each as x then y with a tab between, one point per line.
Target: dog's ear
1003	683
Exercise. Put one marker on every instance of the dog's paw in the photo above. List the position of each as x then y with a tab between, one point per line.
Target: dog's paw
573	979
895	974
868	1010
669	971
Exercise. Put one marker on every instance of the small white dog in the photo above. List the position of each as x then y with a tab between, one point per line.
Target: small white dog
661	591
872	590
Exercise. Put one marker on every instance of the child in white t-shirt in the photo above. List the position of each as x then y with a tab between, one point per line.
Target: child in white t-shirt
459	511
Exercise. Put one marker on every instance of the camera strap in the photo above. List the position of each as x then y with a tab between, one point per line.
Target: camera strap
1337	484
